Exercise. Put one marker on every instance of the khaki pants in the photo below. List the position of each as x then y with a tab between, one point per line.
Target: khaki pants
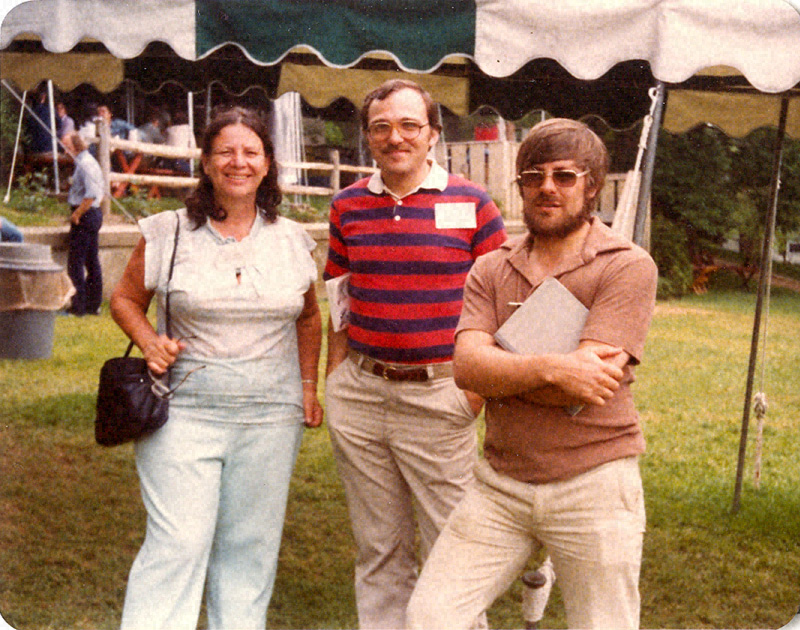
592	526
403	450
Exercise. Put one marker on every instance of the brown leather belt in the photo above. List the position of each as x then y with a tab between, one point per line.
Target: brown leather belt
401	371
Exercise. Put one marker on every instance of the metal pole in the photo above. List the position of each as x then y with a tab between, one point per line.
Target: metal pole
643	204
190	119
7	198
104	157
53	136
766	252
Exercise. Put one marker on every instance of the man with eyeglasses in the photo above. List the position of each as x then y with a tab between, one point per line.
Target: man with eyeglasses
403	434
551	477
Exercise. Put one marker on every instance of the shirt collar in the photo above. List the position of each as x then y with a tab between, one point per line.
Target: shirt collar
600	239
258	225
436	179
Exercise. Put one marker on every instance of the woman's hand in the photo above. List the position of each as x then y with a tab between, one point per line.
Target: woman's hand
312	410
161	352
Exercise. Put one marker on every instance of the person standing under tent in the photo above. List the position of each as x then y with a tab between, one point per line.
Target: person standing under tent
180	134
65	124
83	260
551	477
40	141
403	435
118	128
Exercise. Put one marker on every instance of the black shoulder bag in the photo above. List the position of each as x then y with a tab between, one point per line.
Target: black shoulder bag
127	406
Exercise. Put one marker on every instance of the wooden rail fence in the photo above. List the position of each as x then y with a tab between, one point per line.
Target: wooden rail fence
490	164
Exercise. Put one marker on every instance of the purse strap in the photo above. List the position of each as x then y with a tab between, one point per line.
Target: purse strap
169	281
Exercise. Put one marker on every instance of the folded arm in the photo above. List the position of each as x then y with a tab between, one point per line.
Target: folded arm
590	375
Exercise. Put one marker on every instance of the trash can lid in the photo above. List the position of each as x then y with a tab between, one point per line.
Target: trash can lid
27	257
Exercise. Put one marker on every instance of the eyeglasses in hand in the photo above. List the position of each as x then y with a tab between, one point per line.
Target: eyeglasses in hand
159	384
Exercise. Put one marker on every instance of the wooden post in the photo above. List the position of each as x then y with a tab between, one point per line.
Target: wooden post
336	174
104	157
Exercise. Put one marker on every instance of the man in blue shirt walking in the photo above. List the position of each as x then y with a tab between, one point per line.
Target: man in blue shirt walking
84	197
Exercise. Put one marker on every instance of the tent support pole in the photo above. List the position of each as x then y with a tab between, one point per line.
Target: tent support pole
53	136
643	203
766	252
190	119
16	148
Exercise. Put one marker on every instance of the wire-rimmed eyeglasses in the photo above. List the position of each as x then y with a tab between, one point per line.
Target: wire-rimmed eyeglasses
408	129
562	177
159	383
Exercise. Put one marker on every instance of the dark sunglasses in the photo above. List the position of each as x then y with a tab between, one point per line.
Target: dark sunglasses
562	177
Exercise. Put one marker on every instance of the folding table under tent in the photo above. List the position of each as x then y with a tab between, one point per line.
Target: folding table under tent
733	64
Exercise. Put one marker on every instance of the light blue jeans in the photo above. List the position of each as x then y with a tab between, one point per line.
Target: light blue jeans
215	494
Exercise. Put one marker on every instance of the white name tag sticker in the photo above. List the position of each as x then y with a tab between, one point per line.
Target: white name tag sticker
455	216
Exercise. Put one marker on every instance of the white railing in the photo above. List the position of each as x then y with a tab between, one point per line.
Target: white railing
107	145
490	164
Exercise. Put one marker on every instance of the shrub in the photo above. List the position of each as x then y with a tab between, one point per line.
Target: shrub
670	251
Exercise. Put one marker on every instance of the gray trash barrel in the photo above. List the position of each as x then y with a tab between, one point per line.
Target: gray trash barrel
32	289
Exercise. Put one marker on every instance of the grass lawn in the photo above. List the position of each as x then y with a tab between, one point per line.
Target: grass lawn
71	519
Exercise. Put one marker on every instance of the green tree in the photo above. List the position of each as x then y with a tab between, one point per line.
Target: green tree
9	116
709	187
692	184
751	175
692	201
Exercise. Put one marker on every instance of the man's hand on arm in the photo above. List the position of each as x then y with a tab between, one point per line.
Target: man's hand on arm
590	375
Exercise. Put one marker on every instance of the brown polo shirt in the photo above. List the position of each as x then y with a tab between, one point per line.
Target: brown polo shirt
616	281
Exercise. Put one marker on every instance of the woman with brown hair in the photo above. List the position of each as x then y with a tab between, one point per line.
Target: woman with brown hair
242	306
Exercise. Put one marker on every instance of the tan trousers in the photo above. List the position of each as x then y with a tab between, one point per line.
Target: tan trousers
592	526
405	453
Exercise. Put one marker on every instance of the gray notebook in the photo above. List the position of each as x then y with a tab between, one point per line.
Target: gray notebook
549	321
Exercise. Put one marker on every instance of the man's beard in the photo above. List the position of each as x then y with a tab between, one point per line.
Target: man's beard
562	230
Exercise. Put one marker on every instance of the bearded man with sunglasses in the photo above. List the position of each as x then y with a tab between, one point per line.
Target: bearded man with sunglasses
403	434
567	483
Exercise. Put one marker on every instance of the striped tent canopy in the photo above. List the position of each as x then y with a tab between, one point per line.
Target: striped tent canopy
719	59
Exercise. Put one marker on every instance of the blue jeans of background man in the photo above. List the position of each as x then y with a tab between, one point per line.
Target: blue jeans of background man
83	263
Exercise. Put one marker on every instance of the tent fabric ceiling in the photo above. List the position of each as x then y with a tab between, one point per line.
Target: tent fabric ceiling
676	37
760	38
321	85
736	114
104	71
572	58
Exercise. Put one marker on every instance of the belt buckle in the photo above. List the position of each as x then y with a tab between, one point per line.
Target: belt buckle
390	373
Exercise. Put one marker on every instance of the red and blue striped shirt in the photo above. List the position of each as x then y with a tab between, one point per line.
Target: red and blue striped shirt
407	275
